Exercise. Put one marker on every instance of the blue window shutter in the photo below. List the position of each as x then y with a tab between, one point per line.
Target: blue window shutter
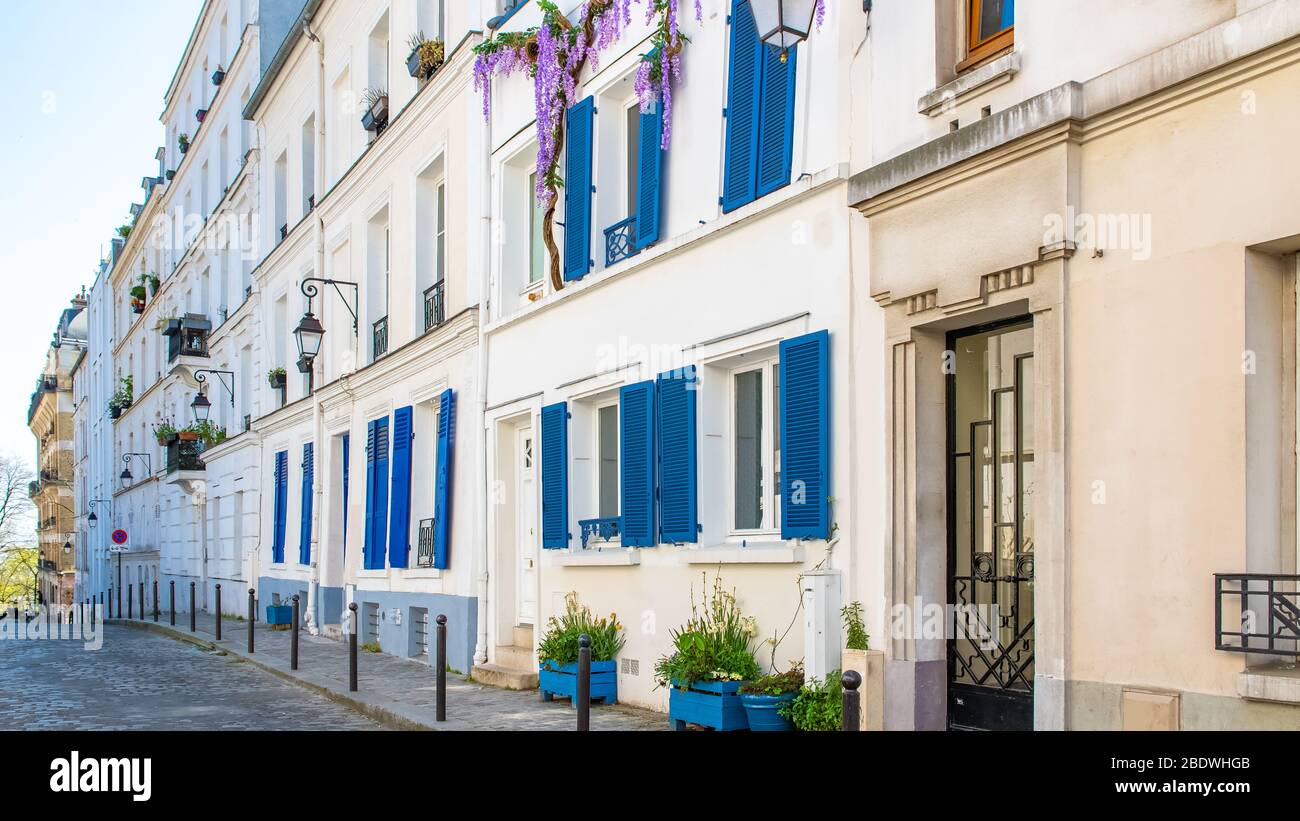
442	492
347	447
379	534
678	521
399	528
281	505
636	464
369	533
776	125
579	125
649	168
743	80
805	437
304	526
555	475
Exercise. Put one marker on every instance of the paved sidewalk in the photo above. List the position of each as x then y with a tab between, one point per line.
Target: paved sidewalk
397	692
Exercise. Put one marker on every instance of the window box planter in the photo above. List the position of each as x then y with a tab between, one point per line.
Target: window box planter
413	62
185	147
277	380
171	174
562	680
114	411
279	614
201	114
714	704
137	305
762	712
187	436
376	117
218	76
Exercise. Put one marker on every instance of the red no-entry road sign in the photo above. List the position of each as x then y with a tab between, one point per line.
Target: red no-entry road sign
119	536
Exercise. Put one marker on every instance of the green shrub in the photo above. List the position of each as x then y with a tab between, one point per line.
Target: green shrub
713	645
855	631
777	684
818	707
560	642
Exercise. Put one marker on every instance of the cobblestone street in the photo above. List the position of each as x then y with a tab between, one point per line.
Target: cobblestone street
141	679
144	681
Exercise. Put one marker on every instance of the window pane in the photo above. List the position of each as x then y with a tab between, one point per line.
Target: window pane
441	241
633	155
776	444
749	453
994	16
608	478
535	254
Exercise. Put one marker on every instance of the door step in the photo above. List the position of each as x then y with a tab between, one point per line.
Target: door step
523	636
494	675
515	657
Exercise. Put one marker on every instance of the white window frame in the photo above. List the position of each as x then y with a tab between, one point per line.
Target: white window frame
769	450
596	456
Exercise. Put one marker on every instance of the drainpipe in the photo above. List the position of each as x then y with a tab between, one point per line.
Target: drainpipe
314	620
480	432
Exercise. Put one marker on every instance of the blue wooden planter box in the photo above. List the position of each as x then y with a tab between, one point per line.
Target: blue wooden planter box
713	704
562	680
762	712
279	614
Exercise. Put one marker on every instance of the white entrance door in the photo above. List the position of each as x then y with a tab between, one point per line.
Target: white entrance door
526	539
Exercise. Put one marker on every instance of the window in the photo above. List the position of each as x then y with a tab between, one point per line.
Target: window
607	461
536	250
756	454
760	113
631	152
440	233
990	26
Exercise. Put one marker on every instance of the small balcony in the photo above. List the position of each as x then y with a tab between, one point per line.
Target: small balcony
379	338
620	241
435	309
600	533
1257	613
183	455
424	549
187	336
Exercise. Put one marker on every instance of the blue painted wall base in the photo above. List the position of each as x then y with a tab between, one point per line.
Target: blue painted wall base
713	704
562	680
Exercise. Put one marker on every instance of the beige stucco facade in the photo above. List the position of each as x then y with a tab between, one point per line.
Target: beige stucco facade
1164	349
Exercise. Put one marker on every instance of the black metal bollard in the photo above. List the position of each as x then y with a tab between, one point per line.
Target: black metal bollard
141	601
582	700
101	600
218	612
352	649
293	641
252	611
193	608
119	600
851	681
130	599
442	667
155	601
171	599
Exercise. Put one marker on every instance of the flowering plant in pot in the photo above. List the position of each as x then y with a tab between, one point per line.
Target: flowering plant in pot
376	114
276	376
557	652
183	141
763	699
164	432
711	658
426	56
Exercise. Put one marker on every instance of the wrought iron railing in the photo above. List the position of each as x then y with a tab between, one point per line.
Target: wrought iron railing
379	341
434	305
602	530
1266	607
620	241
183	454
424	548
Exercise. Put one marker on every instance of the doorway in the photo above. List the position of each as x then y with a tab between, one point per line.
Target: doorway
526	528
990	487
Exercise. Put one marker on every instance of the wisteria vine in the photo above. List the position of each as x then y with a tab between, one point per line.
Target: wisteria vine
554	54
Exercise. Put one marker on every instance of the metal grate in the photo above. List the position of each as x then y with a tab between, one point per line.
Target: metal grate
620	241
420	618
1262	611
630	667
424	550
434	306
380	339
372	622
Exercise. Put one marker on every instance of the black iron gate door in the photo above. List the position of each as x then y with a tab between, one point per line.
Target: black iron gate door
990	527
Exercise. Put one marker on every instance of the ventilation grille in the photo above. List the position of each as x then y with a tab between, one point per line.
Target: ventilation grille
631	667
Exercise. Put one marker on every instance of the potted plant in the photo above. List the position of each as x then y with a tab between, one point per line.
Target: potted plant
188	434
137	305
276	377
114	409
818	707
219	75
557	653
184	142
711	659
209	432
764	698
171	173
164	432
124	231
426	56
154	283
376	115
201	114
868	663
279	614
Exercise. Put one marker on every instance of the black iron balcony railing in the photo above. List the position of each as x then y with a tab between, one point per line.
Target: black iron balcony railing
620	241
434	305
183	454
379	342
1262	613
424	550
602	530
187	336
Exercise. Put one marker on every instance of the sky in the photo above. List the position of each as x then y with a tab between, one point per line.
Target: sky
81	88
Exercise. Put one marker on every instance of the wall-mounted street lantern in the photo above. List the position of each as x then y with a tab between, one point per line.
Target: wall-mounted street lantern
201	406
92	518
126	471
310	332
784	23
